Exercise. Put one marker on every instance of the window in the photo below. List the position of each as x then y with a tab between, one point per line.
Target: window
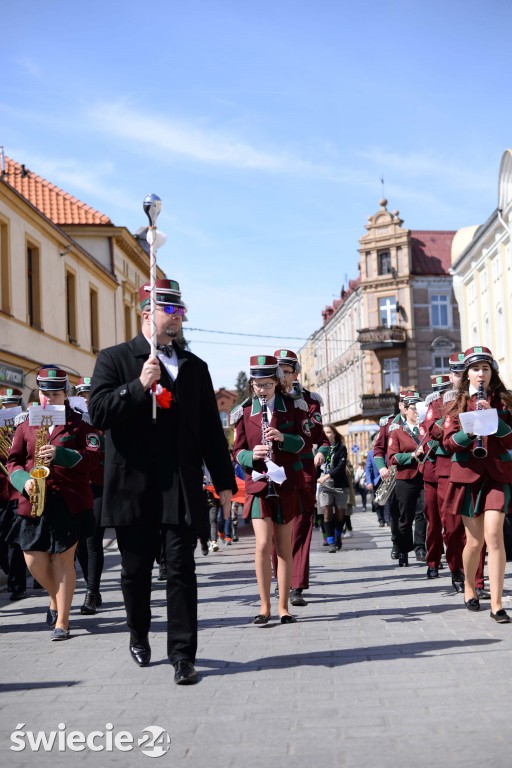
439	311
387	311
224	418
71	307
496	268
384	262
483	280
33	286
5	272
441	363
474	332
127	322
95	341
391	374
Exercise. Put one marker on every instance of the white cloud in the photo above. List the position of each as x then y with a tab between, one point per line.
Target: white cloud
194	141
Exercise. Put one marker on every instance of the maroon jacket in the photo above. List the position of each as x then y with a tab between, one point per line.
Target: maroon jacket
401	446
291	418
465	468
78	454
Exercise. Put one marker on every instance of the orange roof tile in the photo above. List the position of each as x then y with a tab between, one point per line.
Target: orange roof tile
57	205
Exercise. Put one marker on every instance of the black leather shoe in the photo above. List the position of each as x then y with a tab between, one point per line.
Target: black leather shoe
51	617
184	673
473	604
332	548
296	597
162	574
288	619
421	555
90	605
403	560
501	616
482	594
18	594
339	542
432	573
458	581
394	552
141	653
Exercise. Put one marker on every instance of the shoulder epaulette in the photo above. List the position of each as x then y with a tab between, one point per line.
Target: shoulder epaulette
394	426
318	398
236	413
449	396
301	403
384	420
433	396
85	416
20	418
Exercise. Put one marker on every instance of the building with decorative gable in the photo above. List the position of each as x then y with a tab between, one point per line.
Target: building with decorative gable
396	324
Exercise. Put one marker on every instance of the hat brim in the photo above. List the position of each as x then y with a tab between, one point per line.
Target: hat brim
52	386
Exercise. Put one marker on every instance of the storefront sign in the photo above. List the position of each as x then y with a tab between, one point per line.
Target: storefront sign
11	377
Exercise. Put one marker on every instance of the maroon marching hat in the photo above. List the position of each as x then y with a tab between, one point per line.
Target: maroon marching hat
287	357
477	354
409	394
166	292
52	379
83	385
10	396
261	366
440	381
456	362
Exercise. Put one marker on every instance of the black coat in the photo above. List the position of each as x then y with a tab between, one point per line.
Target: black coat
150	469
338	464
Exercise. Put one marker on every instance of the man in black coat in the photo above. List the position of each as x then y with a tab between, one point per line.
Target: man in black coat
154	471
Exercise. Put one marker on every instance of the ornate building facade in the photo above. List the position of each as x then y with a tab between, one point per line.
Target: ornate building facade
396	324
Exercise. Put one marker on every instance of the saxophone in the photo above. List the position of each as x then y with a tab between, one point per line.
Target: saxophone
271	492
39	472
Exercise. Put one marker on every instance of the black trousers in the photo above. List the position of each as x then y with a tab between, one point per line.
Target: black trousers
140	546
411	503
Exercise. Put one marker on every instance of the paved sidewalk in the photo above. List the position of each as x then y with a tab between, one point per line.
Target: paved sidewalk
383	669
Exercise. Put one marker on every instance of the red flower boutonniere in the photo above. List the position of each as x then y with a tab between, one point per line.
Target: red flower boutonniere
164	398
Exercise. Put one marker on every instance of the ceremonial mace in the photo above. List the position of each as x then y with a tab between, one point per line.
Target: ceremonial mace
152	206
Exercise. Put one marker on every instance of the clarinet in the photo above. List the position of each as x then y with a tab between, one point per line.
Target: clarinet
479	451
271	492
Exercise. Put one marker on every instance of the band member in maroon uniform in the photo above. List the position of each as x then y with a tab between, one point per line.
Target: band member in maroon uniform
481	489
11	556
405	451
49	541
303	524
440	383
271	506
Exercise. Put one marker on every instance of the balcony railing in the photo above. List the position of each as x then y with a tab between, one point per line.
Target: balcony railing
378	405
382	337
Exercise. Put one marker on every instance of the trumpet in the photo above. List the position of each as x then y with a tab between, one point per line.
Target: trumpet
39	474
480	451
271	492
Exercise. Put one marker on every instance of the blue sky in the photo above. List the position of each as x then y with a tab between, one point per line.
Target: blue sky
265	128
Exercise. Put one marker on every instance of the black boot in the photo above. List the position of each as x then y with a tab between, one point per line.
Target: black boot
91	603
458	581
403	559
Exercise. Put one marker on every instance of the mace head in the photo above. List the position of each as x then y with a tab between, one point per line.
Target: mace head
152	206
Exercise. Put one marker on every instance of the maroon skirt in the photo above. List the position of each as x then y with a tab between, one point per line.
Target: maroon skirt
473	499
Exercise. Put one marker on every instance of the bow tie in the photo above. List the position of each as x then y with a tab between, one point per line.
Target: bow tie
167	349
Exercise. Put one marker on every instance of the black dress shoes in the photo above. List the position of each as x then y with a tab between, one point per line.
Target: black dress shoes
458	581
473	604
18	593
296	597
91	602
185	673
403	559
432	573
421	555
482	594
501	616
394	552
141	653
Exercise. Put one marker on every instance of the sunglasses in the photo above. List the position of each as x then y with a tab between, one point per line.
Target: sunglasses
170	309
